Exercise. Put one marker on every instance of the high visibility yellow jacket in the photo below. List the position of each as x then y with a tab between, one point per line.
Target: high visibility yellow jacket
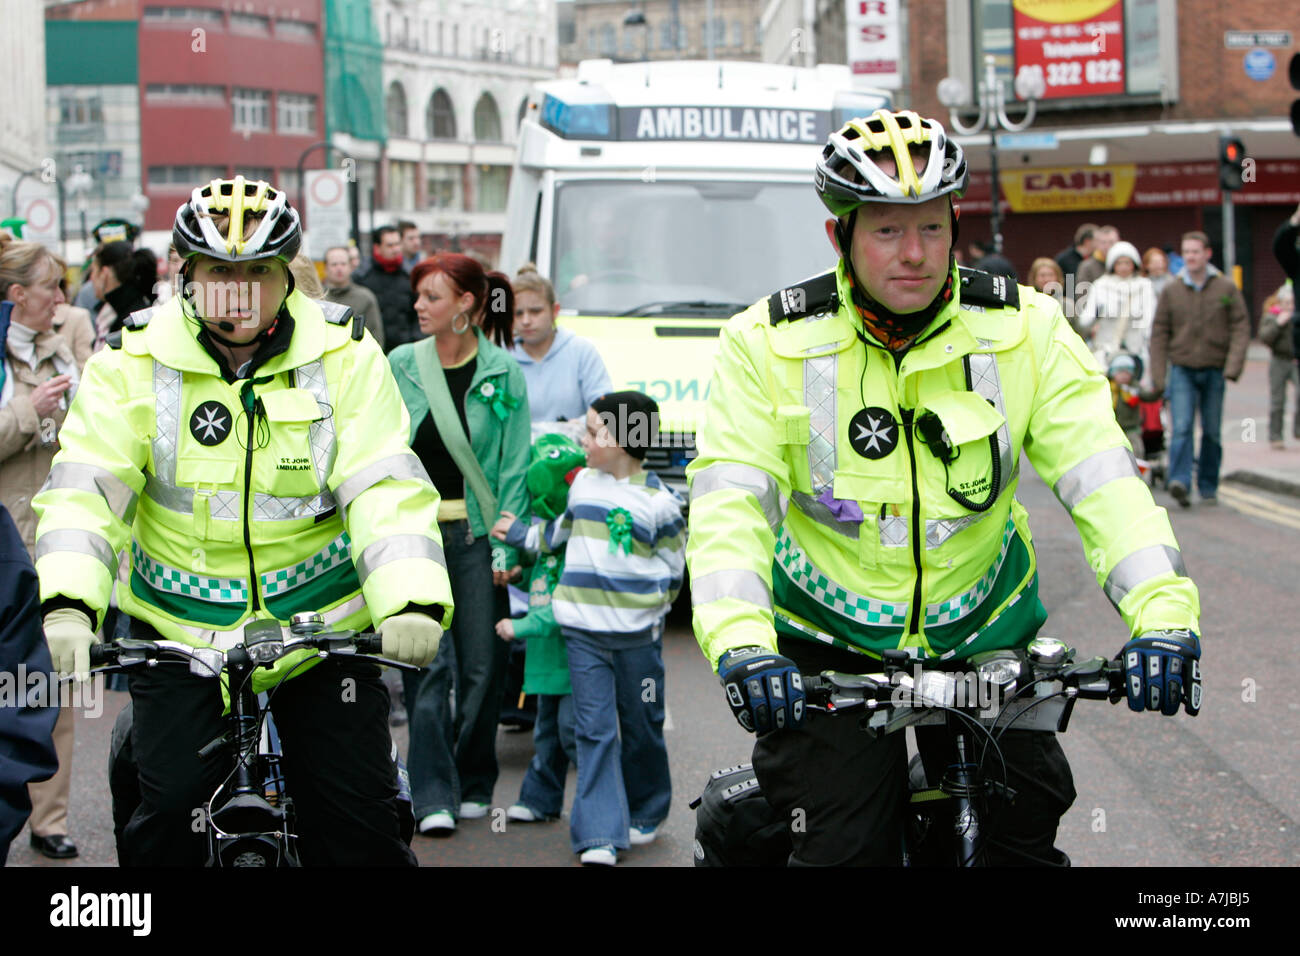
293	491
822	506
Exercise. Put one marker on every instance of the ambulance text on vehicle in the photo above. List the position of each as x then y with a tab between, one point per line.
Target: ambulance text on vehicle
662	198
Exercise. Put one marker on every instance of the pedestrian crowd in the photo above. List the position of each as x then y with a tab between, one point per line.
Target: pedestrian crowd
1170	329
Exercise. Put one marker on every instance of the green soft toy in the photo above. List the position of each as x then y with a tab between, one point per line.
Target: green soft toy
554	460
553	463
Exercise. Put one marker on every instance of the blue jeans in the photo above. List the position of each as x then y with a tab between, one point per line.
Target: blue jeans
1190	390
452	752
553	750
621	783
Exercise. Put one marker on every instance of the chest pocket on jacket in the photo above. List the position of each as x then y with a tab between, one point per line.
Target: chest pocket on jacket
288	465
968	434
206	486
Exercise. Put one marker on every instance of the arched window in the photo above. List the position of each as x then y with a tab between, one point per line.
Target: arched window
395	109
440	117
487	120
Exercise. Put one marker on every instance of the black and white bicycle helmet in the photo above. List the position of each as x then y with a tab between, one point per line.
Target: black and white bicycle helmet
278	235
848	174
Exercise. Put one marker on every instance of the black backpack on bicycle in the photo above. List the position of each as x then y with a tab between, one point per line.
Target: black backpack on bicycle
735	825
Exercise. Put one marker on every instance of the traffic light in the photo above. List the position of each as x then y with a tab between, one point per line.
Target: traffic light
1294	72
1232	154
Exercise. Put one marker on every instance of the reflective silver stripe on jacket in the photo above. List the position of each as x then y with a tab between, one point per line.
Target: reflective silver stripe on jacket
271	508
939	530
986	383
893	531
78	542
746	586
117	494
222	505
167	405
818	511
819	375
405	466
727	476
1093	472
312	378
1142	565
397	547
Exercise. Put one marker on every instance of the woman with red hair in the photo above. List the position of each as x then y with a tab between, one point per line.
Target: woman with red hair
470	428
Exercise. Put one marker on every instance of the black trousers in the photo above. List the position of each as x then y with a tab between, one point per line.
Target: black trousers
337	763
845	793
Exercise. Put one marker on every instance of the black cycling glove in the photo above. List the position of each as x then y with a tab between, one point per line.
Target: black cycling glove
1162	669
765	690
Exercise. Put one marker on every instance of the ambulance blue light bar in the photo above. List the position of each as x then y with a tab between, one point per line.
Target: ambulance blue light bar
854	105
593	120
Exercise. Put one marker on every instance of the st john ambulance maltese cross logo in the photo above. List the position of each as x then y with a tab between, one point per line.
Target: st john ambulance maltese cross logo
873	433
210	423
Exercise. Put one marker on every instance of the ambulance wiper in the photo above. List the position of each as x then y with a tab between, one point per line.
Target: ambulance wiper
699	306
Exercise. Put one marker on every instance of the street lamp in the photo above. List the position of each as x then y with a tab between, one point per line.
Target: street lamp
636	18
79	184
993	116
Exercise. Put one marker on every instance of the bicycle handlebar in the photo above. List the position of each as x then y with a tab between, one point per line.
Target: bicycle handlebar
209	661
1034	691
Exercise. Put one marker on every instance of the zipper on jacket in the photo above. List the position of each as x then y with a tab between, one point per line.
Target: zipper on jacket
249	402
905	414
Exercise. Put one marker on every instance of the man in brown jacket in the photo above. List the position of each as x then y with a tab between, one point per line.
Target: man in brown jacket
1199	337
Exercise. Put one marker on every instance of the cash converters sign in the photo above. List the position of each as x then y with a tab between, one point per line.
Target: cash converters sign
1068	188
1077	46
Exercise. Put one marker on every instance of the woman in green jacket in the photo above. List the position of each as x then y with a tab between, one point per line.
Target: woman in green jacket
470	428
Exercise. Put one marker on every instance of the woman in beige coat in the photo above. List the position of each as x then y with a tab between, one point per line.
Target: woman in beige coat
40	372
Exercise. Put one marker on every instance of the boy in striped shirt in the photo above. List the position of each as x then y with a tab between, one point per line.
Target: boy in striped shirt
625	556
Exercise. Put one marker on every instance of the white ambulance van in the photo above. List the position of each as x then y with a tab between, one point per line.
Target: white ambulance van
662	198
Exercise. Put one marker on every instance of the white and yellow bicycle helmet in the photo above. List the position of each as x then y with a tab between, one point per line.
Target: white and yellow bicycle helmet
848	175
278	235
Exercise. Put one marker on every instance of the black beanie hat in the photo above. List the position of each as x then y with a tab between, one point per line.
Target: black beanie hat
632	419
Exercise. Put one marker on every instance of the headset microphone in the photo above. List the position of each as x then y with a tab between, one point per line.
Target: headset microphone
226	326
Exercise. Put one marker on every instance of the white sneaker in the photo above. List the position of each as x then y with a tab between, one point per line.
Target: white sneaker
441	823
638	837
522	814
472	811
599	856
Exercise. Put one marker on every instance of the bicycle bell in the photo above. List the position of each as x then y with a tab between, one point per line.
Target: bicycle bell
308	622
1047	652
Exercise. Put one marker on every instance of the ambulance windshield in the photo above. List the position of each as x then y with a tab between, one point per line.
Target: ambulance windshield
706	248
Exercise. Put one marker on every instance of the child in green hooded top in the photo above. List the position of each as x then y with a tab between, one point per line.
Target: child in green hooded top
555	459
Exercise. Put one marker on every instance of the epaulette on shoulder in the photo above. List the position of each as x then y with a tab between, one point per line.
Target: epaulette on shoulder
336	313
140	318
809	297
988	290
132	323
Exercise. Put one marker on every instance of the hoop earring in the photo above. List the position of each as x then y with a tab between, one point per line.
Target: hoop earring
464	328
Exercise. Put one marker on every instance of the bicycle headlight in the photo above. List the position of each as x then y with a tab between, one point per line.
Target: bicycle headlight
1000	671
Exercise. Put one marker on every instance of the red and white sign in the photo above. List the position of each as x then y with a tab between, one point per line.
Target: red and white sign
329	218
875	46
1076	45
42	215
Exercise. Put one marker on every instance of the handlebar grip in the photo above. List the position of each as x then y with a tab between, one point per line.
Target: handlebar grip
101	654
370	644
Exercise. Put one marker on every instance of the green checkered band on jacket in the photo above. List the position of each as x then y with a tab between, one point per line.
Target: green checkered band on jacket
810	580
963	624
187	584
337	552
